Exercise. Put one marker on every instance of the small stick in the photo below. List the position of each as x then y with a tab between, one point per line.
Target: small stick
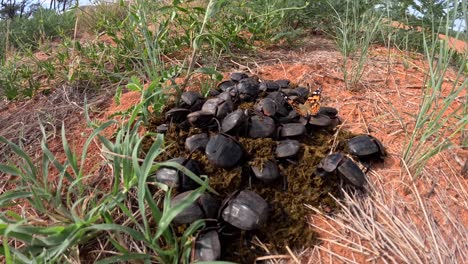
292	255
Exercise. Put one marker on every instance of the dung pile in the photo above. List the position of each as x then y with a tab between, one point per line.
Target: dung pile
265	147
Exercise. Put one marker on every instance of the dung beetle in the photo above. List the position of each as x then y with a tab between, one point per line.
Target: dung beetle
292	116
177	115
268	172
283	83
224	86
205	207
196	142
207	246
245	210
237	76
201	119
266	106
218	107
344	167
191	100
269	86
320	121
233	121
287	149
328	111
222	151
261	126
162	129
292	130
174	178
366	147
248	89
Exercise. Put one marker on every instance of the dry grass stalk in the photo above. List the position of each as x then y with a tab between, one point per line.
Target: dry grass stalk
388	227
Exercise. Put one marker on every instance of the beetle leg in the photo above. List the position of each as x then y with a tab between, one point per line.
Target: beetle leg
285	183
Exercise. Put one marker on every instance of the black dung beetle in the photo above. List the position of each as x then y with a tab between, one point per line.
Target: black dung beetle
222	151
292	116
201	119
248	89
196	142
174	178
207	247
266	106
269	86
245	210
283	83
162	128
344	167
366	147
233	121
328	111
292	130
268	172
205	207
177	115
191	100
237	76
320	121
287	149
224	86
218	107
261	126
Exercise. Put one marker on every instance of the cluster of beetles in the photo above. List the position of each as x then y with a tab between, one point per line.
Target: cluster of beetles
249	107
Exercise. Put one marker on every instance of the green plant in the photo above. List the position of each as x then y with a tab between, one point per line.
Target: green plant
78	213
354	31
432	134
18	80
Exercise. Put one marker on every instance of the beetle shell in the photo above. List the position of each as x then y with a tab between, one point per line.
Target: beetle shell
350	171
292	116
261	127
207	247
223	152
224	86
267	106
344	167
209	206
248	89
169	175
328	111
190	98
366	146
283	83
292	130
246	210
162	128
320	121
287	148
190	214
211	105
237	76
330	162
200	119
267	173
269	86
196	142
233	121
177	115
205	207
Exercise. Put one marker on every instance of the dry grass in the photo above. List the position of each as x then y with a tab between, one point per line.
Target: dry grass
395	225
